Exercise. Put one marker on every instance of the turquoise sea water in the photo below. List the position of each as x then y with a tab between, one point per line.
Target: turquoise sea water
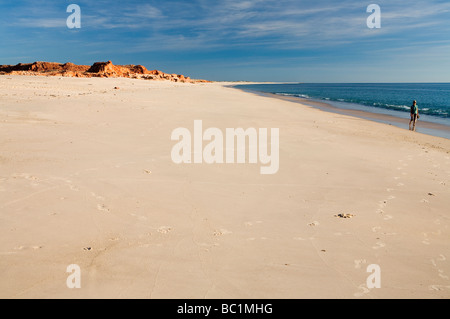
394	99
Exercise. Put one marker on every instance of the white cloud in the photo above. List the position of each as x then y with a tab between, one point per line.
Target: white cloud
145	11
41	23
288	24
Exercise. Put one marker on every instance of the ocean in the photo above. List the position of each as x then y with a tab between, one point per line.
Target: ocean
393	99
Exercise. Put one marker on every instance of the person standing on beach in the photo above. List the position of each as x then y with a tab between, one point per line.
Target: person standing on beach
414	116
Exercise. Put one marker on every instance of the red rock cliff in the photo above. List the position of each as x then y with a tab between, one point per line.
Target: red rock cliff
98	69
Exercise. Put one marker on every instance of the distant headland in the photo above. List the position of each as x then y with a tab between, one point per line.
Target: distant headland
98	69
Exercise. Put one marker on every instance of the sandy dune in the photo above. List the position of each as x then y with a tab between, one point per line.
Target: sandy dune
86	178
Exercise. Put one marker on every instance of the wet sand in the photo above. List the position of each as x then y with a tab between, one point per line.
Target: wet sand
423	126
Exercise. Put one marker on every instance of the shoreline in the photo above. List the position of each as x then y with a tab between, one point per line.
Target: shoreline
423	126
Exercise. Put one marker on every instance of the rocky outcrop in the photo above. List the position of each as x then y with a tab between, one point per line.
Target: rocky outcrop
98	69
43	67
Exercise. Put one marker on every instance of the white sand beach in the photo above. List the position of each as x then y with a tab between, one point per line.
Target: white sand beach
86	178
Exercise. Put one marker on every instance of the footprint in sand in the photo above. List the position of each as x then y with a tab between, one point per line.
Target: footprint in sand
390	234
103	208
441	258
71	186
34	180
28	247
364	290
359	262
441	274
438	287
379	245
97	196
387	217
376	228
426	241
28	177
222	232
315	223
164	229
74	188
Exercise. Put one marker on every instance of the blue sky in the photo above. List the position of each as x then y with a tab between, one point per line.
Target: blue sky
253	40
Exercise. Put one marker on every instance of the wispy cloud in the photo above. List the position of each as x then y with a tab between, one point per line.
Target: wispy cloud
210	24
40	23
146	11
252	31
